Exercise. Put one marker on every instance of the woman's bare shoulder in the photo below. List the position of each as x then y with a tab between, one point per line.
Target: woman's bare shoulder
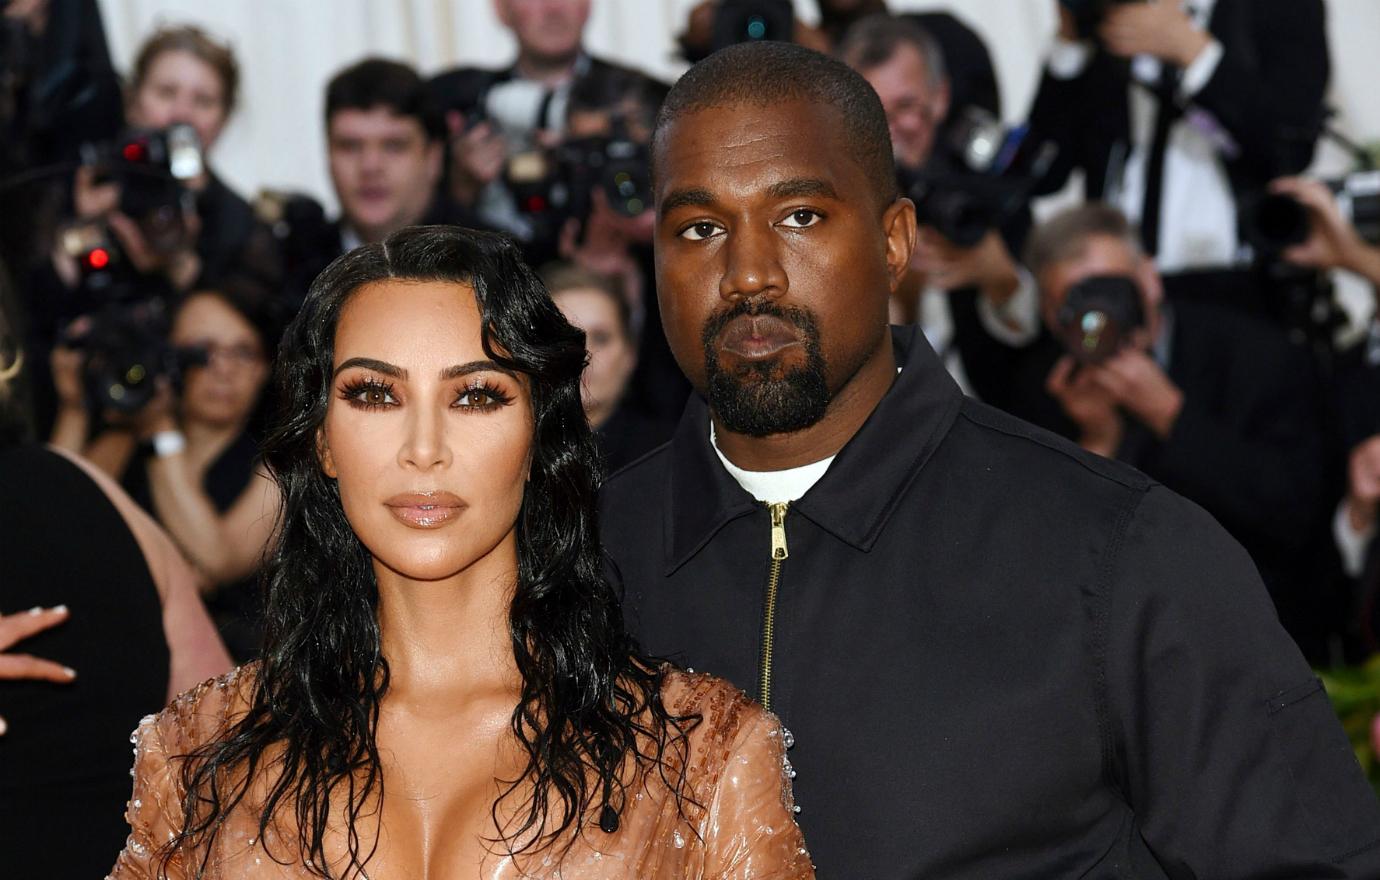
198	715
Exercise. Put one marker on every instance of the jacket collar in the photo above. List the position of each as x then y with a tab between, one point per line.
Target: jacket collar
855	497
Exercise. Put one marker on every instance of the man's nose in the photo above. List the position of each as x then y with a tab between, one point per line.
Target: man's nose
753	265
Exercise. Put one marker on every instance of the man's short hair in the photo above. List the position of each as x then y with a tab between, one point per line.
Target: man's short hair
379	83
768	73
874	40
1064	236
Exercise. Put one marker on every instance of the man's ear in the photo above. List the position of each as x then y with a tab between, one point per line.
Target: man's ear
323	454
898	222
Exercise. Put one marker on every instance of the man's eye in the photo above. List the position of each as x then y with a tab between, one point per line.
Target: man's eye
700	231
802	219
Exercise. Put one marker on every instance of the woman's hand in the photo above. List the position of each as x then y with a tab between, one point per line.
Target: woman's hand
15	628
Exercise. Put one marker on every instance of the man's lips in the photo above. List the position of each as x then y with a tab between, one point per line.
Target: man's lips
425	510
755	337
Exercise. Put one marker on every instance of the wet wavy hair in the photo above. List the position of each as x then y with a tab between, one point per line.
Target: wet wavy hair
590	704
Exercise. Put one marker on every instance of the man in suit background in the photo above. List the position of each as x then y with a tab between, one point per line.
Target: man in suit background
1176	111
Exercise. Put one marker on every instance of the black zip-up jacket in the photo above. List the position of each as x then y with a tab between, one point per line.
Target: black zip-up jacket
999	656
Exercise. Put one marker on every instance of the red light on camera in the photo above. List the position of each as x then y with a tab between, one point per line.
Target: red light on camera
99	258
134	152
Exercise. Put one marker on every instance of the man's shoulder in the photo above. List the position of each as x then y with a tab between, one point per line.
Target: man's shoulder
985	432
640	475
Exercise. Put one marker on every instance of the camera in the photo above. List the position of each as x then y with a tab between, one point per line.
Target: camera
1272	222
126	354
980	179
558	184
750	21
152	166
1088	14
125	349
1098	315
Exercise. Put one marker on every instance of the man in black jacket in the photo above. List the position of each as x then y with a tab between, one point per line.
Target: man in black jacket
1214	403
997	655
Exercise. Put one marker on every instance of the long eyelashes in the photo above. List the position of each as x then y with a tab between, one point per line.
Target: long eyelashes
374	394
367	394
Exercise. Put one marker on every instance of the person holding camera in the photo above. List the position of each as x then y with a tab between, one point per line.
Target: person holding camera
188	456
182	77
1175	111
1215	404
493	115
973	300
1334	242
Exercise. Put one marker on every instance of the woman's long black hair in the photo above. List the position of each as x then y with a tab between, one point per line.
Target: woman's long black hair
590	704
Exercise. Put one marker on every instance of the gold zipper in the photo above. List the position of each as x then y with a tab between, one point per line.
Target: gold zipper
778	553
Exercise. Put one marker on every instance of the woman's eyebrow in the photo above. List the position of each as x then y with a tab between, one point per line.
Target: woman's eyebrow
397	372
474	367
374	364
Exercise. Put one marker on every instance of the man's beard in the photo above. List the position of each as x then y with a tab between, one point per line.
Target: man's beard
753	400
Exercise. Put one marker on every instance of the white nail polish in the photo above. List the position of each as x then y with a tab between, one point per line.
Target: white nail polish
3	727
37	609
60	609
71	673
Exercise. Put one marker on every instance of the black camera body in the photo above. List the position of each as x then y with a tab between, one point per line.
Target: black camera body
127	356
1098	316
1088	14
981	177
558	184
1272	222
152	167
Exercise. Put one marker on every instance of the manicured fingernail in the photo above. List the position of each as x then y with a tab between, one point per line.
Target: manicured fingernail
3	727
37	609
60	609
71	673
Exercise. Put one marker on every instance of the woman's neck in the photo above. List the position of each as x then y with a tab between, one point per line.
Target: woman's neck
450	638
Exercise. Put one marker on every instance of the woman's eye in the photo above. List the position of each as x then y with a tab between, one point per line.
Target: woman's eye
802	219
700	231
481	397
371	396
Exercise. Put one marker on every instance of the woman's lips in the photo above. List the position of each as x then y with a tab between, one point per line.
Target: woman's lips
757	337
425	510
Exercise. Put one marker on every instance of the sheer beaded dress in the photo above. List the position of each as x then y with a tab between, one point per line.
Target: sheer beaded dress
740	825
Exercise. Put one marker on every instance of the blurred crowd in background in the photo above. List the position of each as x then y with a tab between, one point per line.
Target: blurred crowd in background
1179	314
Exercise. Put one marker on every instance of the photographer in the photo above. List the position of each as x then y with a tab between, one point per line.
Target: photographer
973	300
1333	242
494	114
1176	111
181	76
188	456
1214	404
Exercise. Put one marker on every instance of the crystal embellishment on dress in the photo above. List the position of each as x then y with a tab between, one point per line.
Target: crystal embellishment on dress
677	839
787	737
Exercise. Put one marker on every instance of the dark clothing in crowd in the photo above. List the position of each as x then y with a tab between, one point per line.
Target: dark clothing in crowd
999	656
235	608
1267	94
628	435
64	763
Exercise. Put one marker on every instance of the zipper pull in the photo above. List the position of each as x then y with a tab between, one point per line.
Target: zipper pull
778	530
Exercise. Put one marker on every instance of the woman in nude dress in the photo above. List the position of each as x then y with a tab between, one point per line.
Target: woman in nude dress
447	689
